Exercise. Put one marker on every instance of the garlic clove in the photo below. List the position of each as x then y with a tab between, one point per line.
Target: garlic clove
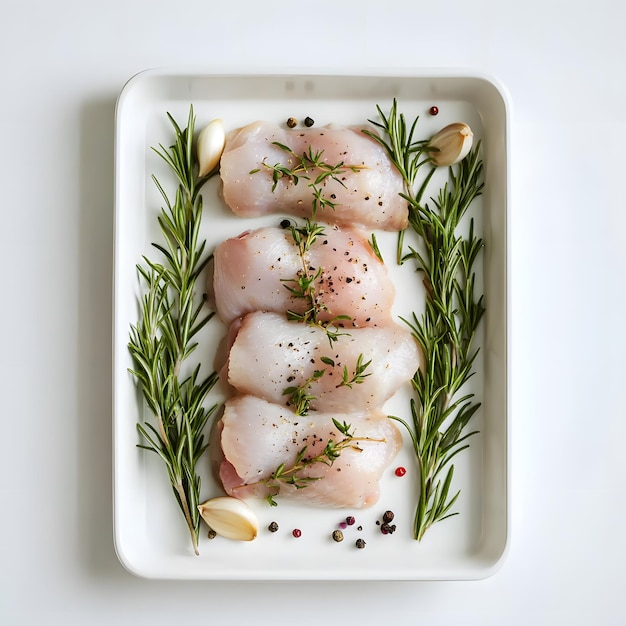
210	146
230	517
451	144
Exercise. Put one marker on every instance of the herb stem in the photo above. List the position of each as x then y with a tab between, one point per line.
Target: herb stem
446	329
164	337
293	475
182	498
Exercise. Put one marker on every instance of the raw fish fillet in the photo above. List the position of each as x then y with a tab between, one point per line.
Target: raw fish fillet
257	437
270	354
369	196
252	272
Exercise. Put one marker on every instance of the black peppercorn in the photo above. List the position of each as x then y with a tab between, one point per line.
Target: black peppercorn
292	122
388	516
212	534
285	224
308	121
337	536
360	543
273	527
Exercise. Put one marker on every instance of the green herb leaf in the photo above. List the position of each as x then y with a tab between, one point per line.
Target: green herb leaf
358	376
374	245
296	475
445	330
172	314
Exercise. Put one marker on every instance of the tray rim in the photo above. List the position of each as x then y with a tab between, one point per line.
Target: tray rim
364	72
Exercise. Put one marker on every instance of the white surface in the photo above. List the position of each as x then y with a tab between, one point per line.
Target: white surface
151	539
63	64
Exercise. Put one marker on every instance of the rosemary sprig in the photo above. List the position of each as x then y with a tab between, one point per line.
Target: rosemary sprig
293	475
165	335
406	153
445	331
374	245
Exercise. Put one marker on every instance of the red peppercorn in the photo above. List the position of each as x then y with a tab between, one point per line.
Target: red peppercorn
296	532
349	520
400	471
434	110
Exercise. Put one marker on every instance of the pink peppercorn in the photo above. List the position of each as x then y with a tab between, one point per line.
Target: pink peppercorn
400	471
296	532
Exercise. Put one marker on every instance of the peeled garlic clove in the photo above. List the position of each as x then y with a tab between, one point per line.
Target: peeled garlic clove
230	517
451	144
210	146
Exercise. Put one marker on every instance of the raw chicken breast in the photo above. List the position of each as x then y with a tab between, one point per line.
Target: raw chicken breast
270	354
250	271
258	436
369	196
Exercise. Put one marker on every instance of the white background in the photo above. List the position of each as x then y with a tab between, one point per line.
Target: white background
62	65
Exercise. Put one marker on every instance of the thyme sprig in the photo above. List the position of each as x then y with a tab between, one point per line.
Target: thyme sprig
358	376
304	167
165	336
446	329
303	286
293	475
312	167
300	396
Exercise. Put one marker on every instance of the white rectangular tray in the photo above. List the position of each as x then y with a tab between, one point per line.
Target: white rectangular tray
150	534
